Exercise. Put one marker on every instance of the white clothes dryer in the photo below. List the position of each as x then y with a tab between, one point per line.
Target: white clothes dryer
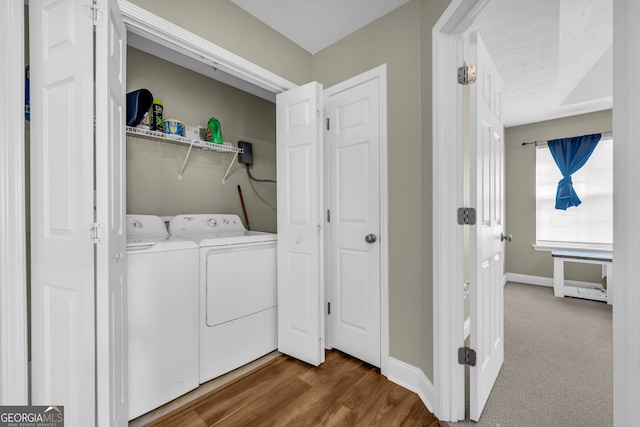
238	290
162	290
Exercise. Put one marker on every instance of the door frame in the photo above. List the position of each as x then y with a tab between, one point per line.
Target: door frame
13	279
447	197
626	109
379	73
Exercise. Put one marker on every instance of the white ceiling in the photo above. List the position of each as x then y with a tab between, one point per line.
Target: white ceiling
316	24
554	56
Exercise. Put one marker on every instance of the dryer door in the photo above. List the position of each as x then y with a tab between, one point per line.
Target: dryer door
241	280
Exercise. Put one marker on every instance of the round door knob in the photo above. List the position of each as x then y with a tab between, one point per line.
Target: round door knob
370	238
506	237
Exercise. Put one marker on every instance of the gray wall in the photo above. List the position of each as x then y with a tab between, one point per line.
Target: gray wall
230	27
402	40
520	194
152	167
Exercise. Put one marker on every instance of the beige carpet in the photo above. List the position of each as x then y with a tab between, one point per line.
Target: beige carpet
558	367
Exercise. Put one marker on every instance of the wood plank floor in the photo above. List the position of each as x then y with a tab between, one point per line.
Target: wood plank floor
343	391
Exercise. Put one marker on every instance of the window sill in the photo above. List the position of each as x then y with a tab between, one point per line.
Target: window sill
548	247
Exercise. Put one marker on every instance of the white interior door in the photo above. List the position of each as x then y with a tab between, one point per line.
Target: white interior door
111	304
354	222
300	296
486	248
62	253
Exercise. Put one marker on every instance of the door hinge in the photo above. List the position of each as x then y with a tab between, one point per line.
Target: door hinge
328	124
95	233
467	75
466	356
328	308
466	216
328	215
96	14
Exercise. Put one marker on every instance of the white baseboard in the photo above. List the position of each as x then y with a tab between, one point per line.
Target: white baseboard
543	281
412	379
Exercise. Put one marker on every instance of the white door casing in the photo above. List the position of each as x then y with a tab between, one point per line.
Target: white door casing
353	188
486	256
62	253
300	243
13	279
111	303
448	196
626	251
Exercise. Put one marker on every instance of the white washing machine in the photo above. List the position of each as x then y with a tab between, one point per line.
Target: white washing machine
238	290
162	287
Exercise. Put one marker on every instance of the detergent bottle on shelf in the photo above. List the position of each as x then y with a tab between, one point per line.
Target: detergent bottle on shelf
214	133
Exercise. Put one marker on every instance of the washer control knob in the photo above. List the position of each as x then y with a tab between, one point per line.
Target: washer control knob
137	224
225	221
211	222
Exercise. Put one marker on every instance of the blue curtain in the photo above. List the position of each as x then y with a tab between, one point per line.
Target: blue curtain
570	154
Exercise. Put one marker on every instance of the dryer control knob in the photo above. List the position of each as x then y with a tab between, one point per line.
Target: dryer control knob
225	221
137	224
211	222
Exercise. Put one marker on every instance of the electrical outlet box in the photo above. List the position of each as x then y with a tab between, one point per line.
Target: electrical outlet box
246	157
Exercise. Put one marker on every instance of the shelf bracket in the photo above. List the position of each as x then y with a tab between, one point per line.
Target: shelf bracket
235	157
184	164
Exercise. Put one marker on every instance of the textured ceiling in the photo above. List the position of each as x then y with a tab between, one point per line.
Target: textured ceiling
554	56
316	24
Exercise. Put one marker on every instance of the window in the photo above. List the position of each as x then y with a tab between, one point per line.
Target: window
588	226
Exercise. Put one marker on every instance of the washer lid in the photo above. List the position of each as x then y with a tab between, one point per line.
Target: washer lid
152	244
233	238
145	227
145	231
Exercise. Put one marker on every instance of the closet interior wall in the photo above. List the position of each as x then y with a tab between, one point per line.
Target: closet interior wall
152	169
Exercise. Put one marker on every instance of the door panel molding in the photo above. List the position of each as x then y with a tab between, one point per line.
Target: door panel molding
300	212
486	147
380	75
62	194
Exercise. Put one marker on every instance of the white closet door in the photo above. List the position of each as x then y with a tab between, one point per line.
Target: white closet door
111	307
300	296
354	230
62	253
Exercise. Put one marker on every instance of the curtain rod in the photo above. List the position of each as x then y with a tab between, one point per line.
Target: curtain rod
535	143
